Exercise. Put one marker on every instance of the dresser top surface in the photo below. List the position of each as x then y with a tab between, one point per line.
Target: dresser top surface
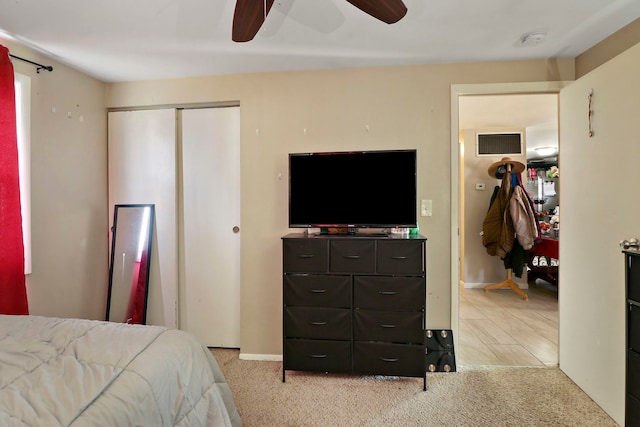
364	235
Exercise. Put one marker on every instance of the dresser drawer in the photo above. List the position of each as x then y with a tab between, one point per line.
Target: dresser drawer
633	277
632	412
305	255
318	356
389	326
633	328
389	359
633	373
317	290
391	293
352	256
317	323
400	257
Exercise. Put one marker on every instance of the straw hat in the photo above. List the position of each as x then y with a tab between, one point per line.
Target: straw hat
497	169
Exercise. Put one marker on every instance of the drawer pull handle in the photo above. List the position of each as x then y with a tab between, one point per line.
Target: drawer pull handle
389	359
400	258
318	323
318	291
305	256
352	256
318	356
387	292
388	326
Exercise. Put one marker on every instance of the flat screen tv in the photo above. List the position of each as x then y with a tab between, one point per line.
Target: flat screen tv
355	189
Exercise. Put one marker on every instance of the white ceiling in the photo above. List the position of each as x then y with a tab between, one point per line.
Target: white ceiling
124	40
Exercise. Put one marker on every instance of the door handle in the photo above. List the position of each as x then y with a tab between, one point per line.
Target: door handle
631	244
236	229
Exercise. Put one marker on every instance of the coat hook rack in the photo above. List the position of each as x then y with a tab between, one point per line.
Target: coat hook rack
590	96
39	66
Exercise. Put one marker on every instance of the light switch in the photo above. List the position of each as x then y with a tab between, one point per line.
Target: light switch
426	208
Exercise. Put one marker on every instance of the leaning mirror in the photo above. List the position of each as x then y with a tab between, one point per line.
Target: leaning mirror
129	266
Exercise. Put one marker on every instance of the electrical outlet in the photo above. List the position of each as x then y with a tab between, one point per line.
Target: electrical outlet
426	208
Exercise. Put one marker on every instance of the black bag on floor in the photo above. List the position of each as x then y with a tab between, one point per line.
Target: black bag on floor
440	353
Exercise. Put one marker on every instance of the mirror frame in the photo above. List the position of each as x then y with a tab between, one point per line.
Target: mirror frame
114	236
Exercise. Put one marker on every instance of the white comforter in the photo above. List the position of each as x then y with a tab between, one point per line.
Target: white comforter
69	372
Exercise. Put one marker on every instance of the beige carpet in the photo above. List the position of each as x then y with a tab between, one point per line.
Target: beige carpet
469	397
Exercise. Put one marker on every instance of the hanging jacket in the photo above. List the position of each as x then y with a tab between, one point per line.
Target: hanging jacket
498	233
532	207
524	220
516	259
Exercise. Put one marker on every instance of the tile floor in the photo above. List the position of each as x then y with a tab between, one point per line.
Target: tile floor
500	328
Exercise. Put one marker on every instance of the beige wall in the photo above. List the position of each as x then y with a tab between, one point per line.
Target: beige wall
402	107
68	184
608	48
599	208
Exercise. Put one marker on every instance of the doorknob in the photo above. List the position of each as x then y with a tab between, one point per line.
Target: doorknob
631	244
236	229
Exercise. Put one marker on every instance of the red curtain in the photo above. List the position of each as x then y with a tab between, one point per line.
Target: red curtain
13	292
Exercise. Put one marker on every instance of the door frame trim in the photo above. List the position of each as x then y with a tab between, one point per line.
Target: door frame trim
458	90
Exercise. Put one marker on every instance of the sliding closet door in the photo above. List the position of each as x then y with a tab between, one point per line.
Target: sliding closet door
211	203
142	169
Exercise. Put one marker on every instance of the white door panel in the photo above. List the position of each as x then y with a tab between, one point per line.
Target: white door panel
211	202
599	176
142	169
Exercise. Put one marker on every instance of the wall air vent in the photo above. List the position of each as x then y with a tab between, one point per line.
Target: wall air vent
492	144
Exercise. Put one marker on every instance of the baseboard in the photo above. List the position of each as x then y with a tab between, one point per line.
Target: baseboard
261	357
468	285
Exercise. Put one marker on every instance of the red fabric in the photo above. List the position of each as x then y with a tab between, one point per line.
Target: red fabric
134	314
13	292
135	310
547	247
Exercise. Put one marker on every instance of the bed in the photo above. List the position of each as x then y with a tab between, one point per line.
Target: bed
70	372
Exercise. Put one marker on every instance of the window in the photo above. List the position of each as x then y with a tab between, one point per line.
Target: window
23	125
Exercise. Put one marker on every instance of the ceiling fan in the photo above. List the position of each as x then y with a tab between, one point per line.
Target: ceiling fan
249	15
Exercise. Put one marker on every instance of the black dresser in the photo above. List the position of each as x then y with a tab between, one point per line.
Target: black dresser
354	304
632	277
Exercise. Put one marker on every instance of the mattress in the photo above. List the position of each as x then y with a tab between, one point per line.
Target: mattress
70	372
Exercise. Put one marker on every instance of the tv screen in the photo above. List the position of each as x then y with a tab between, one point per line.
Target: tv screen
358	189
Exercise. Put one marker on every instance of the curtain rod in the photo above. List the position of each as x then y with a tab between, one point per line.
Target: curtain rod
40	66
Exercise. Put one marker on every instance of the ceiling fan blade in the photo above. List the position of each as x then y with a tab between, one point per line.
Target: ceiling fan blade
389	11
248	17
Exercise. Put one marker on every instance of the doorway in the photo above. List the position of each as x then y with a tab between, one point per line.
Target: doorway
459	151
